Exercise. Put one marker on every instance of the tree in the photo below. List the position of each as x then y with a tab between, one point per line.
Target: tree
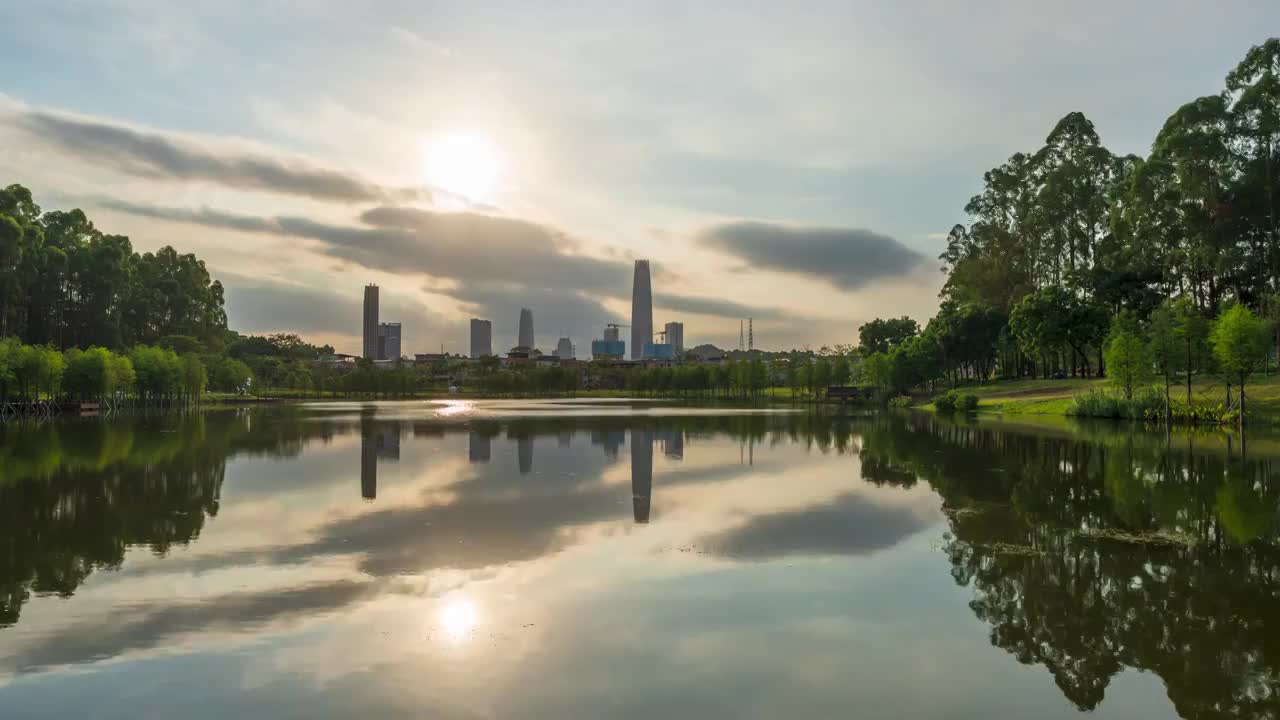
877	370
1165	346
1128	361
1239	340
881	335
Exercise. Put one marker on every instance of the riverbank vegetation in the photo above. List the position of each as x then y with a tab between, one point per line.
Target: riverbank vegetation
1080	263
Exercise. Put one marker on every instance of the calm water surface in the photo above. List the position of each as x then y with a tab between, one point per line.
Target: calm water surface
584	560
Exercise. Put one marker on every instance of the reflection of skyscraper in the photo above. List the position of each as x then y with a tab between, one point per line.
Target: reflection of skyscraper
526	328
672	443
641	474
388	439
481	338
610	439
371	322
478	446
368	464
378	441
641	310
524	453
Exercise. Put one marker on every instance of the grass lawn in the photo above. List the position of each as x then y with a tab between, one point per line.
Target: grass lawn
1052	397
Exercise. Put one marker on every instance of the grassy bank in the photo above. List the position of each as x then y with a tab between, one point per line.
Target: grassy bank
1053	397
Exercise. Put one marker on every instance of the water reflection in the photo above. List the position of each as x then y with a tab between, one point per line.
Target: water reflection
1083	551
641	474
1090	552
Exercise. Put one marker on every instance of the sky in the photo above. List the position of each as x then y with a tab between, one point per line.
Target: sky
797	163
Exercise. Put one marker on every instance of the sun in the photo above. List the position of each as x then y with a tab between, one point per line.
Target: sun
457	618
465	164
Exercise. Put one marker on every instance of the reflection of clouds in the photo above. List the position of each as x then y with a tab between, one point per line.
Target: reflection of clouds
852	524
144	627
480	528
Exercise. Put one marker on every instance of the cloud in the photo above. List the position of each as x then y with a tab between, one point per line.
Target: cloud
848	258
257	305
143	627
467	246
497	264
716	307
160	156
849	525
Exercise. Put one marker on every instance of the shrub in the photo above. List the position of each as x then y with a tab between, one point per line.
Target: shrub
900	401
1146	404
951	401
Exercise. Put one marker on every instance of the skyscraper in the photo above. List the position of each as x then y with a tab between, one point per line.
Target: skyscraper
370	322
564	349
675	336
388	343
481	338
526	328
641	310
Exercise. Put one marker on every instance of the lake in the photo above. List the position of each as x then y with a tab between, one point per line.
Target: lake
580	559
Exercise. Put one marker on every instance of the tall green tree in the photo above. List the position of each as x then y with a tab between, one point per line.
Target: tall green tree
1239	340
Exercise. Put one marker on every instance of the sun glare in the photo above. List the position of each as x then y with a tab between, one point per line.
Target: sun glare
457	618
465	164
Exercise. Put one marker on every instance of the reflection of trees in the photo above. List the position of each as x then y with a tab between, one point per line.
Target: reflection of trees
1089	555
75	495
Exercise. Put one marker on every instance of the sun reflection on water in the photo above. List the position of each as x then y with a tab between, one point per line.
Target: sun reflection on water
454	407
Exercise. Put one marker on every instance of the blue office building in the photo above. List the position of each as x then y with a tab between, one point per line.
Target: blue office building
659	351
601	349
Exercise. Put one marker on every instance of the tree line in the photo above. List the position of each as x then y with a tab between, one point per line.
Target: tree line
1067	238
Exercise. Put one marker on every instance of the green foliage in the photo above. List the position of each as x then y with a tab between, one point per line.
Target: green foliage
901	401
1239	340
946	402
1128	361
882	335
952	401
64	281
1144	404
230	375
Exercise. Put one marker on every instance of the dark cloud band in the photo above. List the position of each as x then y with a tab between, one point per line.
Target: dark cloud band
158	156
848	258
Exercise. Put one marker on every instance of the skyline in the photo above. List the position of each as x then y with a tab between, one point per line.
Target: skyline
209	129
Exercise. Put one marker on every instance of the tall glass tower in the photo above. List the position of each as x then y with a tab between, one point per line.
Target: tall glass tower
641	311
526	328
370	322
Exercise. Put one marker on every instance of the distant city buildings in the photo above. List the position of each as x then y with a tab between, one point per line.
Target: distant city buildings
388	341
610	347
482	337
525	337
659	351
381	340
641	310
675	336
370	351
564	349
